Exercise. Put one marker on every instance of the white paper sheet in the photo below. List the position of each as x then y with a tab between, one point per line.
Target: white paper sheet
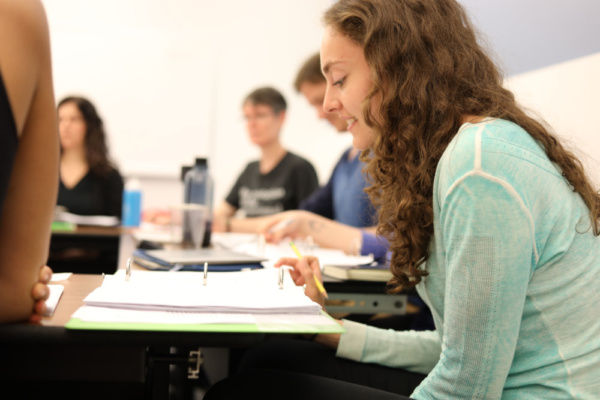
253	292
56	292
103	314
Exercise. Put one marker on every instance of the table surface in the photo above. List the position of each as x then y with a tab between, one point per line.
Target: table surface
93	231
78	286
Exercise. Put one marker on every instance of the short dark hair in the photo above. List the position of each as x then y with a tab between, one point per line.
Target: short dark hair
269	97
310	72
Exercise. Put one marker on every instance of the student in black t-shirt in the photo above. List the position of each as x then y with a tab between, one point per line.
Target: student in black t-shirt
89	183
280	180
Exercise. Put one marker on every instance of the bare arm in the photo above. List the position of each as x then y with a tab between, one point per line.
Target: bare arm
27	214
297	224
300	224
221	215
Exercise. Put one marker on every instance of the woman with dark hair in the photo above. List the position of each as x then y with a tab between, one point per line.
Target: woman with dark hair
89	183
491	219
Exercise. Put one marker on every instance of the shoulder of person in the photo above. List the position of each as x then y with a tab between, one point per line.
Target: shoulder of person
502	143
346	152
114	174
28	16
251	168
252	165
295	159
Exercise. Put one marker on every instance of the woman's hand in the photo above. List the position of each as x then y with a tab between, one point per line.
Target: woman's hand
290	224
306	271
40	293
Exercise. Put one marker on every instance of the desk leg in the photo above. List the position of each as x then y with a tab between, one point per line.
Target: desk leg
172	372
157	375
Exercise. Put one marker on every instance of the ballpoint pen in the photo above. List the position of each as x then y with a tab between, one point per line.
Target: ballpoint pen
317	281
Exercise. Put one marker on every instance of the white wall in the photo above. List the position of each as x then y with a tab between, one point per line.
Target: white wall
567	97
168	78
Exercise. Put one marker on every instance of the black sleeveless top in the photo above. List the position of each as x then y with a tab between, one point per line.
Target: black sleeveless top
8	141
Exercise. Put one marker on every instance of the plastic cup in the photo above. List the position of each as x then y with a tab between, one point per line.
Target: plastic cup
188	223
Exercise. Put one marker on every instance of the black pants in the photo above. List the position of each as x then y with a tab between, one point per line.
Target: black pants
295	369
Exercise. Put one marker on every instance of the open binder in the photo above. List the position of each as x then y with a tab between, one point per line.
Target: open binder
235	302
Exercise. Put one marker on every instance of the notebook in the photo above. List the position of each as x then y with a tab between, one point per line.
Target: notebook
376	272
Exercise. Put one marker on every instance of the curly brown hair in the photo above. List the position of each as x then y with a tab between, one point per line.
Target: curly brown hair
430	72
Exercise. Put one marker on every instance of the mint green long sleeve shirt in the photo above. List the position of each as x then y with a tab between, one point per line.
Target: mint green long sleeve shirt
513	284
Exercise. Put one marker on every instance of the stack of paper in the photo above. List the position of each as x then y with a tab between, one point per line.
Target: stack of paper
273	252
248	301
248	292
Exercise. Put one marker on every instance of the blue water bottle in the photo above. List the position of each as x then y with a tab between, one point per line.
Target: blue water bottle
132	203
199	190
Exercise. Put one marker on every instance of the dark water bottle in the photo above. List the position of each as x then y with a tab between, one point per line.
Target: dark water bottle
199	190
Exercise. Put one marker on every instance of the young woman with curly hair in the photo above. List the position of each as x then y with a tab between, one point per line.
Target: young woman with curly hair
486	213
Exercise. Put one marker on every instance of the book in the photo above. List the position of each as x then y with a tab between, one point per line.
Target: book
219	260
376	272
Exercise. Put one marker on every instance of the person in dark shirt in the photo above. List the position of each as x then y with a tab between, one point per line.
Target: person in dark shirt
89	183
280	180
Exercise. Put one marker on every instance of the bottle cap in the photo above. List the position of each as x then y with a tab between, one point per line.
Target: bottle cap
201	161
133	184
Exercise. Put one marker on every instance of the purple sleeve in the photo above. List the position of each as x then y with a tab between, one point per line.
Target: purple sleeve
375	245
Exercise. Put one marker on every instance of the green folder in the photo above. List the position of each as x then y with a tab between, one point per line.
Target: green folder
63	226
77	324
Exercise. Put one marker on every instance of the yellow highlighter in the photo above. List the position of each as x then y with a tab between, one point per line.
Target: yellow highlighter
317	281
